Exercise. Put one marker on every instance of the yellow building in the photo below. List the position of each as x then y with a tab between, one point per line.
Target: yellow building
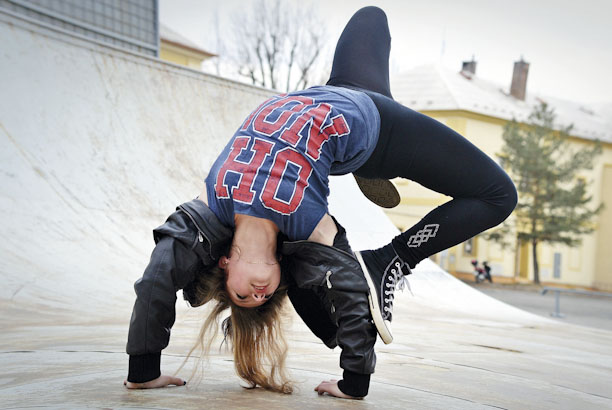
478	110
177	49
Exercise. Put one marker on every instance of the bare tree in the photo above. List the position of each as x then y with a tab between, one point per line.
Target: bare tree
220	50
277	44
306	60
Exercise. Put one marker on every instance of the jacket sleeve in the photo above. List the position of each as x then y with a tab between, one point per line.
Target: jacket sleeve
356	337
338	275
187	243
356	384
172	266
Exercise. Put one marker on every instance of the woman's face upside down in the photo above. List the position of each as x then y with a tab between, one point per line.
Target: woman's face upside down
248	284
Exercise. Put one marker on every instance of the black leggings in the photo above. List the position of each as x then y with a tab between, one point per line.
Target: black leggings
414	146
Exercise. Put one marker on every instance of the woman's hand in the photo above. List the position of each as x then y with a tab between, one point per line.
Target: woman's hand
331	388
161	381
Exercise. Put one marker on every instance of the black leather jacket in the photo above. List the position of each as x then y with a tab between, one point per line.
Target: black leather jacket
332	274
335	275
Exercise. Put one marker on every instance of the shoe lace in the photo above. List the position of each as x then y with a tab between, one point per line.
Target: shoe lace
398	280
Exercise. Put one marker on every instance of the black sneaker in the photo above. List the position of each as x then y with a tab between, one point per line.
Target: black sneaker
383	270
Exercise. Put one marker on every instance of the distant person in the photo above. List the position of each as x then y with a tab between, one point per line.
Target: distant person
261	229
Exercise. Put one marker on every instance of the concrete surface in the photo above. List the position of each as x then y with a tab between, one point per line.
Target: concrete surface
584	310
99	146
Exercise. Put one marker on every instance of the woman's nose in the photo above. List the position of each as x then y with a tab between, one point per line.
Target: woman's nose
258	296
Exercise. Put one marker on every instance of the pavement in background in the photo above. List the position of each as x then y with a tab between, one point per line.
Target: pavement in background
592	311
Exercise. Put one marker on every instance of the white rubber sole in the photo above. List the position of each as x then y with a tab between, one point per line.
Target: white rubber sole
382	326
380	191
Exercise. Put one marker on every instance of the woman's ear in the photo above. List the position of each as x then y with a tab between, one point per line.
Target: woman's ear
223	261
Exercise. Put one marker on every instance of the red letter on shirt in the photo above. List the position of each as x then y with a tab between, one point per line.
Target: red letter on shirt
268	196
246	170
247	122
337	128
265	127
314	118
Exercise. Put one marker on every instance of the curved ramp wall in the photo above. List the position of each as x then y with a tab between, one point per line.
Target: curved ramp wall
99	146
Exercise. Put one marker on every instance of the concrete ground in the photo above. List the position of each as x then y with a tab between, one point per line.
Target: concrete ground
440	359
592	311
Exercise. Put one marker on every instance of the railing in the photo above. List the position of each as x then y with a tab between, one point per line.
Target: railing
558	291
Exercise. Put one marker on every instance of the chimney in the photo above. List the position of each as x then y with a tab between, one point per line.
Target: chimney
469	66
518	88
468	69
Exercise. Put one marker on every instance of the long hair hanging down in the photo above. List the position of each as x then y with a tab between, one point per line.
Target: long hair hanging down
254	334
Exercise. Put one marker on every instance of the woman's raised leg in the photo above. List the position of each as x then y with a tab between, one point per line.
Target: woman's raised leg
414	146
361	59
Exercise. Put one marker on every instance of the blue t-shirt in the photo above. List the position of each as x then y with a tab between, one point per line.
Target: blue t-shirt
276	166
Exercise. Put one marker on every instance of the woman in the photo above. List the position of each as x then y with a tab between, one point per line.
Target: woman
269	189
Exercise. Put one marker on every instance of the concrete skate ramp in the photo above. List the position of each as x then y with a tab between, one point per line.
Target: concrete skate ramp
99	146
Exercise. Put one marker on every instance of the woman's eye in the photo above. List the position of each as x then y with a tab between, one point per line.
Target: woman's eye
240	297
268	296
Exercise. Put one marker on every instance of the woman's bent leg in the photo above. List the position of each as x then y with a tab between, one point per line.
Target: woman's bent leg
419	148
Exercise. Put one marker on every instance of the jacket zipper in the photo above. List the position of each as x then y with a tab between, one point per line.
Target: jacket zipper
201	235
327	276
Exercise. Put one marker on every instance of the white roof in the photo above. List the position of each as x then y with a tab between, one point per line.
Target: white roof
167	34
433	87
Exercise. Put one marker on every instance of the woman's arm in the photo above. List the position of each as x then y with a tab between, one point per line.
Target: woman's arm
172	267
335	271
186	244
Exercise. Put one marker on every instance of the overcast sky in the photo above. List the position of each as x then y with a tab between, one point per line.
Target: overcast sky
568	43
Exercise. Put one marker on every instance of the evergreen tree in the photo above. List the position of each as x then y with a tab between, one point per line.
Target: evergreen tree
553	202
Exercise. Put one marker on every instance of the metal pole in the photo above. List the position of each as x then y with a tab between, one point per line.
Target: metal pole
557	312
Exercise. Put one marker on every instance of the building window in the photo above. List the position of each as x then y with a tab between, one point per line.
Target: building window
131	24
469	247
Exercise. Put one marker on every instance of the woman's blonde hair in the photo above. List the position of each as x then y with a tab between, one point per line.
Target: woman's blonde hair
254	334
